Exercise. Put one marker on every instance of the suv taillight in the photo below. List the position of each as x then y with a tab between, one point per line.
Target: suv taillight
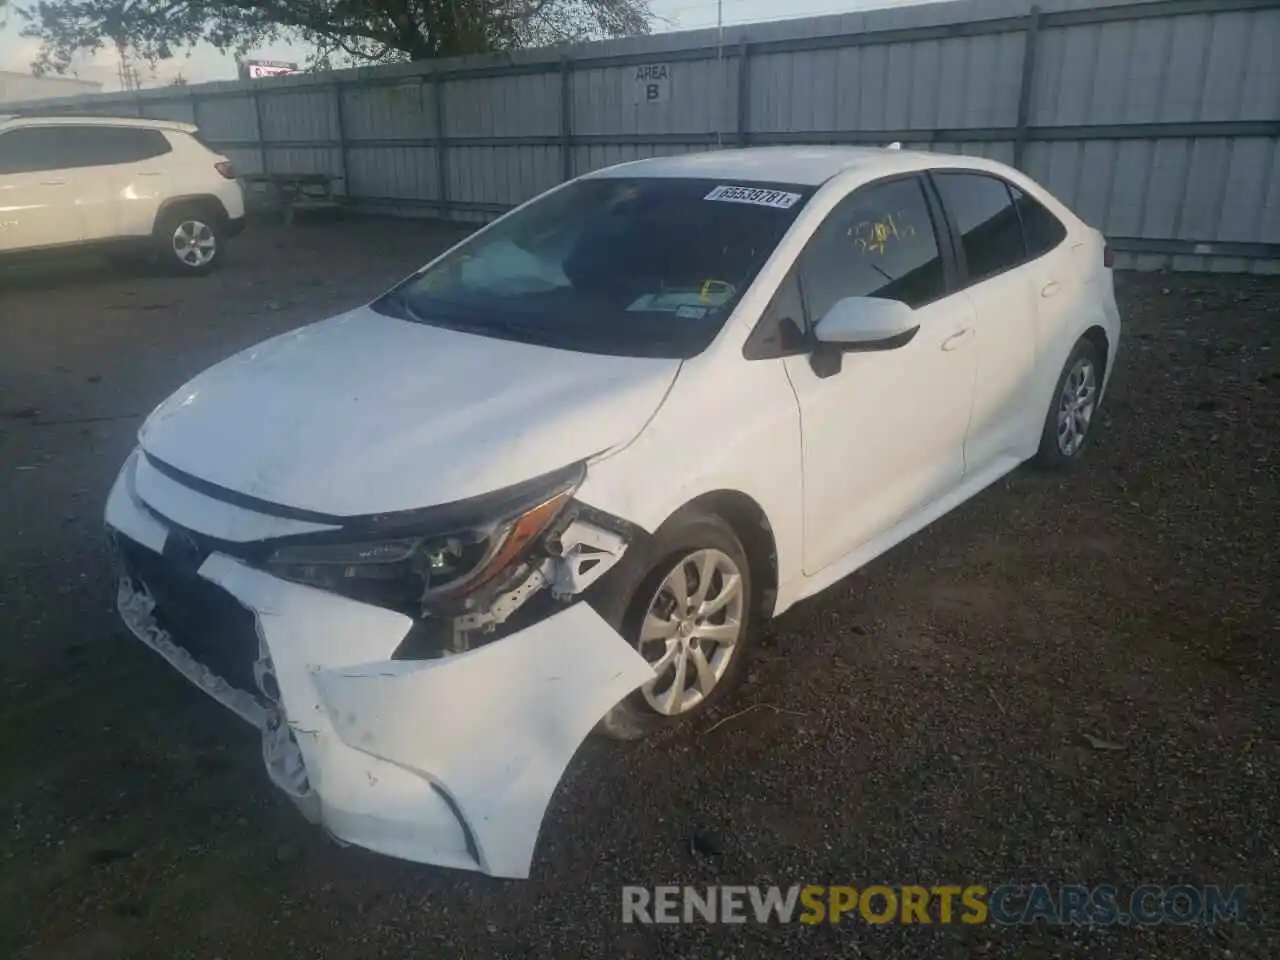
225	168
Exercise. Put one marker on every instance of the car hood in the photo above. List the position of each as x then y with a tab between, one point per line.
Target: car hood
364	413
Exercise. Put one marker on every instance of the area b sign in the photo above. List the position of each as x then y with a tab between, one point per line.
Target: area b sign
653	83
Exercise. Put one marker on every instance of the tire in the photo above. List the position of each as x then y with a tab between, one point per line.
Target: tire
1069	423
637	596
190	239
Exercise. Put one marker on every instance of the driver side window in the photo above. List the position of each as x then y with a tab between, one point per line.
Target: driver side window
877	242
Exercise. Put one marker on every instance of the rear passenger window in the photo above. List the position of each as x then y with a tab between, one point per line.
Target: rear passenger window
29	149
983	214
878	242
98	146
1040	228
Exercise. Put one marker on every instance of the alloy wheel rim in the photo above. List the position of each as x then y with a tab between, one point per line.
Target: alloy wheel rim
691	630
1076	406
194	243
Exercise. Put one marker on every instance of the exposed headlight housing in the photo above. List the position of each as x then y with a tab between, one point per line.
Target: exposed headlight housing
408	572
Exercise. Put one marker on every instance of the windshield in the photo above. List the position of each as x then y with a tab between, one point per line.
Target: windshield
630	267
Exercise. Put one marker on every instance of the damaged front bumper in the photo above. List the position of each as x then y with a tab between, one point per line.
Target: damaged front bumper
449	761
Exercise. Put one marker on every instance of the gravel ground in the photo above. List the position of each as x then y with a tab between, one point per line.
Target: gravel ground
928	721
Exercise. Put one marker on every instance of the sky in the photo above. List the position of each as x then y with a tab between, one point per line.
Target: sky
206	63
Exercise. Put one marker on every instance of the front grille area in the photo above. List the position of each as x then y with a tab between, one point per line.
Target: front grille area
201	617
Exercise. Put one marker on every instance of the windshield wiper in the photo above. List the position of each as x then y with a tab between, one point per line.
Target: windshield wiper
398	304
461	320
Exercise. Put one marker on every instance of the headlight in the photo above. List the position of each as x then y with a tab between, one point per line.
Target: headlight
405	572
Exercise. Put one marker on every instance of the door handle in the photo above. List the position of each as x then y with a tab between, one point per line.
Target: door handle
956	339
150	173
1049	289
57	182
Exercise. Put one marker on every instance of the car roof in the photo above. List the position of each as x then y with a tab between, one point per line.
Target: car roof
14	121
804	165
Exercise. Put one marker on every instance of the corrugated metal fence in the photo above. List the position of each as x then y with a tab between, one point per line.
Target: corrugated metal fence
1158	121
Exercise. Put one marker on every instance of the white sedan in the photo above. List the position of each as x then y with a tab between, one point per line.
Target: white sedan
552	481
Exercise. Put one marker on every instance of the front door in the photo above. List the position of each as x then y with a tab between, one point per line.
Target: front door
37	191
884	436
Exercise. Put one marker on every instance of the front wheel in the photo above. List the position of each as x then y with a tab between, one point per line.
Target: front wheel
687	609
1069	423
189	240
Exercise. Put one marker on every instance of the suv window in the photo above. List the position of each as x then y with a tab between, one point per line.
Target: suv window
1040	228
65	146
29	149
983	214
95	146
877	242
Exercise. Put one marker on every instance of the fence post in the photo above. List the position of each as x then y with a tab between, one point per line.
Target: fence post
566	119
262	133
744	92
1028	80
340	118
442	156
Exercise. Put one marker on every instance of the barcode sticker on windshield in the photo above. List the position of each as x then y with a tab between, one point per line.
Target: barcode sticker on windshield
757	195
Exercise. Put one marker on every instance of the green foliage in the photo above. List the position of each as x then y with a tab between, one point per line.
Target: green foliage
353	31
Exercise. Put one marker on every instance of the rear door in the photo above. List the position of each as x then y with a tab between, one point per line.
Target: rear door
121	177
1059	284
991	255
37	195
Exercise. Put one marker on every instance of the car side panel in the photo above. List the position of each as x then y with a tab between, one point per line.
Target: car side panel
38	209
1005	306
734	427
1090	302
192	174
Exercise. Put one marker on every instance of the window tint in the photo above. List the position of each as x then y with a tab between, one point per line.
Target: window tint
1041	229
983	214
103	146
29	149
780	331
879	242
64	147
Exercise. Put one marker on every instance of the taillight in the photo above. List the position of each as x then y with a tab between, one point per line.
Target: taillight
1108	256
225	168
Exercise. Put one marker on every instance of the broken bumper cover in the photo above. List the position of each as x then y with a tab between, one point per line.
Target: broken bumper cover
447	761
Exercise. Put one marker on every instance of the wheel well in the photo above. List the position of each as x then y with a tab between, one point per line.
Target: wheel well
209	204
752	527
1098	337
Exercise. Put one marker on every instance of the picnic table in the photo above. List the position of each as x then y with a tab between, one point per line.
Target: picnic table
294	191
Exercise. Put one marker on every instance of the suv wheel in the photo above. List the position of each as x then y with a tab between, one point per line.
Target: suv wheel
190	240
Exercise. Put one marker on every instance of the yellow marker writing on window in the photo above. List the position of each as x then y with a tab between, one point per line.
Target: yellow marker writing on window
713	286
872	236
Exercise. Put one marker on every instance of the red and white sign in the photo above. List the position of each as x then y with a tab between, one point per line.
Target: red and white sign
269	68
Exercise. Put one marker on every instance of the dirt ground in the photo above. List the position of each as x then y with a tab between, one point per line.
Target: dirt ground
927	721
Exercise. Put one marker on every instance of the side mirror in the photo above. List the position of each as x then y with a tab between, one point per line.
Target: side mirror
867	323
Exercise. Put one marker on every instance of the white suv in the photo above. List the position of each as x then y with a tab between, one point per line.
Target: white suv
75	181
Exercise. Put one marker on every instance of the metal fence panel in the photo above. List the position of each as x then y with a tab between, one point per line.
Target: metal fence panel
227	119
392	172
391	112
1157	120
298	115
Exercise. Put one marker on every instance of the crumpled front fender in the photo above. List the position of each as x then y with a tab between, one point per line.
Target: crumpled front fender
490	731
448	761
